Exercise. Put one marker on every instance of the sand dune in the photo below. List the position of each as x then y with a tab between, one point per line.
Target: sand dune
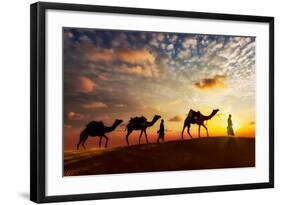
202	153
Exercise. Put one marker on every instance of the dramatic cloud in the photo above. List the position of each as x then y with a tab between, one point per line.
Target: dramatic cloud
104	77
218	81
173	38
100	55
184	54
67	126
135	56
170	47
68	34
160	36
94	105
112	74
189	43
120	105
140	70
74	116
176	118
125	55
84	84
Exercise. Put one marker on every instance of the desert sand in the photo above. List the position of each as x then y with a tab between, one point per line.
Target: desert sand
194	154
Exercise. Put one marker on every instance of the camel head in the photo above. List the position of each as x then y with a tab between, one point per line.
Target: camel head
156	117
214	111
117	122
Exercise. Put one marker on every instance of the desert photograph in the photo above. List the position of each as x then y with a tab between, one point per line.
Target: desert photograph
145	101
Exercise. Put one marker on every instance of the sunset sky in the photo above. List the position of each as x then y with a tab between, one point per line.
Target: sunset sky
112	75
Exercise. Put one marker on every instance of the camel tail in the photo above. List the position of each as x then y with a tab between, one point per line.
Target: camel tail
83	135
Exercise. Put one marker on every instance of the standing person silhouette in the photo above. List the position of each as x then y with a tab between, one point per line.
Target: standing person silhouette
161	131
230	131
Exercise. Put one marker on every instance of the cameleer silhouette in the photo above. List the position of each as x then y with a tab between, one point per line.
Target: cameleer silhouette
161	132
97	129
194	117
140	123
230	131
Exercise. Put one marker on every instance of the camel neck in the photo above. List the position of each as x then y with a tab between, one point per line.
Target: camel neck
210	116
110	129
151	123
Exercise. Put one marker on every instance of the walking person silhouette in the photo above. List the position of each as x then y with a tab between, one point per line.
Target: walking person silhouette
161	132
230	131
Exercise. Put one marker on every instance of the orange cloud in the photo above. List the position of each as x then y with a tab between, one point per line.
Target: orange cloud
119	105
125	55
67	126
94	105
100	55
135	56
218	81
104	77
74	116
84	84
144	70
176	118
141	62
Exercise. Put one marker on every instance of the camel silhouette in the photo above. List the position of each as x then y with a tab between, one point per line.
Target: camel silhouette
140	123
97	129
194	117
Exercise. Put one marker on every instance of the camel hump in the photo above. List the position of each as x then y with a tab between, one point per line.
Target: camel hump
137	120
192	113
95	124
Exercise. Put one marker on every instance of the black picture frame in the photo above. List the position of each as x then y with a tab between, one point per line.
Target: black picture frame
38	100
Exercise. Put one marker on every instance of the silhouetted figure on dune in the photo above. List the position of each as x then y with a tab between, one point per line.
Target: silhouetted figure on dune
161	132
230	131
194	117
140	123
97	129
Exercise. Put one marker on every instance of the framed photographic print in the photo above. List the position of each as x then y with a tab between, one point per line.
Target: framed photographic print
129	102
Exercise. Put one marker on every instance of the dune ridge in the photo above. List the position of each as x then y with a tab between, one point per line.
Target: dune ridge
194	154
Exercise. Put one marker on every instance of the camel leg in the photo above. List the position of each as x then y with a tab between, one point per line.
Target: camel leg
83	137
140	136
106	140
146	137
78	144
199	126
84	140
127	136
100	141
188	131
206	129
182	131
